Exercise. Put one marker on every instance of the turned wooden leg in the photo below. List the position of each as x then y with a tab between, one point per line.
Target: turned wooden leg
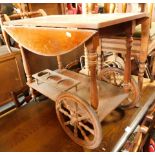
27	70
7	42
92	58
141	74
153	68
4	34
129	39
144	51
99	61
60	66
127	71
23	91
86	58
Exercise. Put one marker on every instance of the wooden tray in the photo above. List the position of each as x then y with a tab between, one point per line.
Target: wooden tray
55	80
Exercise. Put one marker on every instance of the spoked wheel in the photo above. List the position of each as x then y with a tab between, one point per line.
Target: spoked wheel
115	77
79	120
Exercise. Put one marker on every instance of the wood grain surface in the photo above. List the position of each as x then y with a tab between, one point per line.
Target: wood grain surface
95	21
34	128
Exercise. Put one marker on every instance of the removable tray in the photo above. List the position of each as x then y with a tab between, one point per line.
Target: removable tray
55	79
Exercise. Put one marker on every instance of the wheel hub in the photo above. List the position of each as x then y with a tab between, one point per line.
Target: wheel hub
73	120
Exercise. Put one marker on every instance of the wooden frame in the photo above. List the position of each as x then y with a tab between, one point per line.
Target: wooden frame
100	26
141	47
14	58
11	66
111	29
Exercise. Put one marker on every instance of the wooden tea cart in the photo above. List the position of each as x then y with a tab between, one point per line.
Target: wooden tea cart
82	102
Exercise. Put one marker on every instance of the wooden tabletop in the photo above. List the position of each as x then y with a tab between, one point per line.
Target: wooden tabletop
93	21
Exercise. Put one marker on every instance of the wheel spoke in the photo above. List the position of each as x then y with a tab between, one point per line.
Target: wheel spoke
78	120
121	83
83	118
73	109
114	78
76	108
68	107
119	80
67	123
130	100
86	128
75	130
83	133
65	113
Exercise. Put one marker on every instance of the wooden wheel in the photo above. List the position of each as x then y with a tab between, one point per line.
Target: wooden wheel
115	77
79	120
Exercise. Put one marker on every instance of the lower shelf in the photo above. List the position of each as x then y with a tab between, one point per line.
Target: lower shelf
110	96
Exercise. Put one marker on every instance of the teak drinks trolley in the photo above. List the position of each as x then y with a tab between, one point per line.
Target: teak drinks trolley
82	102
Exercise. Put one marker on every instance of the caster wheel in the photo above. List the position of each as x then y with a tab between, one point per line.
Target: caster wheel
115	77
79	120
